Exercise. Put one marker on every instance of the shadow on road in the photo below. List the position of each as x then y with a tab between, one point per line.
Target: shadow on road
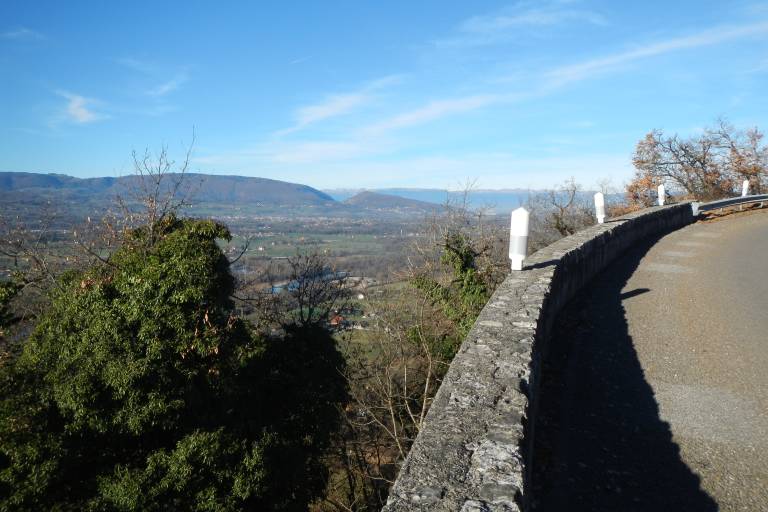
600	444
633	293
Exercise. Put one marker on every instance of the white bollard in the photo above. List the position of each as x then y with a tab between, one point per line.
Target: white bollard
518	238
695	209
600	207
745	188
662	195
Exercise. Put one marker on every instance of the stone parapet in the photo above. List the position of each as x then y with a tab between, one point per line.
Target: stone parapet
473	453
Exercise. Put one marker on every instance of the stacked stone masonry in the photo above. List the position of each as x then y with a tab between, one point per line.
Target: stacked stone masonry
473	452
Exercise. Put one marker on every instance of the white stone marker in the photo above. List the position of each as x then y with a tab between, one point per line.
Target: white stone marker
662	195
695	209
745	188
600	207
518	238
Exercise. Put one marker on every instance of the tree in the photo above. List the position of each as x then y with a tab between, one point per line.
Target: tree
159	187
313	288
747	155
140	390
705	167
8	291
559	212
34	261
416	330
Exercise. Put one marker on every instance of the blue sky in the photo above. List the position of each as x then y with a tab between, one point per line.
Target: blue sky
340	94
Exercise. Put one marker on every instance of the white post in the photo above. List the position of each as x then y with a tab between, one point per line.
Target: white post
662	195
745	188
518	238
600	207
695	209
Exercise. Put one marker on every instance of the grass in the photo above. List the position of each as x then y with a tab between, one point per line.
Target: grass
282	245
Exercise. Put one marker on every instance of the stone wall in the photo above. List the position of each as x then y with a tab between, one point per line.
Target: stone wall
472	454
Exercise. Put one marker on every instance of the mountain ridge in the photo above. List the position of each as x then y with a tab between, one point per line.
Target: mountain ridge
212	188
263	193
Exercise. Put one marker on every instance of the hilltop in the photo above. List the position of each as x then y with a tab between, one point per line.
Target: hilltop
376	201
501	200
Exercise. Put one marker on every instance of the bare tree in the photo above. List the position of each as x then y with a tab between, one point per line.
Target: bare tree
302	290
35	254
744	153
558	212
314	289
706	167
160	186
158	190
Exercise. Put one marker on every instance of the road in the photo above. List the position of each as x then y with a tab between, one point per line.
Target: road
655	391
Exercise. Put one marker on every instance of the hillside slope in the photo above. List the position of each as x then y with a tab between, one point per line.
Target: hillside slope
376	201
205	188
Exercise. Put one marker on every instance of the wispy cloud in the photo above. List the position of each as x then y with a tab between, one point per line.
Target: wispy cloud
79	109
158	74
434	110
541	15
22	34
169	86
318	151
136	65
333	106
338	104
356	153
553	79
298	153
507	23
589	68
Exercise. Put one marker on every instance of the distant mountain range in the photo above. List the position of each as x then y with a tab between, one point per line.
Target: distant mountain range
210	194
255	195
206	188
260	192
496	200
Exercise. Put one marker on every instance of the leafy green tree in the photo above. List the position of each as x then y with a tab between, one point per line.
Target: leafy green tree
140	390
8	291
463	295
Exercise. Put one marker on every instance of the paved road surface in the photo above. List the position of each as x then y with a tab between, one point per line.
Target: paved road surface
656	391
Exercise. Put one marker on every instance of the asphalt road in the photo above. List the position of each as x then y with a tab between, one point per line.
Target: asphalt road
655	393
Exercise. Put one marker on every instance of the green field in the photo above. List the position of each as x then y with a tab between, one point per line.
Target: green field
288	244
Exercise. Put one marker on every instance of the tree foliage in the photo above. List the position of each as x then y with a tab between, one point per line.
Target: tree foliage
462	297
140	390
709	166
8	291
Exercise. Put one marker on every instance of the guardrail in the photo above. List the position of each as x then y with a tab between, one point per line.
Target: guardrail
732	201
